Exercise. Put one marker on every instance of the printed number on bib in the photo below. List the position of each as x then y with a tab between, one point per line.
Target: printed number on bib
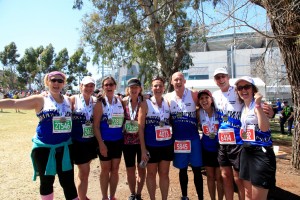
117	121
131	126
87	131
248	135
182	146
226	136
62	126
163	133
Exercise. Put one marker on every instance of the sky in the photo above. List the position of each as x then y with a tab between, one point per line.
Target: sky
32	23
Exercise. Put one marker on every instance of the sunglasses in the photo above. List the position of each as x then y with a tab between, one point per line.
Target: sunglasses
246	87
220	76
57	80
109	84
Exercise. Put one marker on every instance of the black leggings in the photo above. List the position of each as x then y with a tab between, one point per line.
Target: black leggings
66	178
198	181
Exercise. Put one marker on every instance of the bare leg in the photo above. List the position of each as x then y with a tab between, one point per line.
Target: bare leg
151	179
227	176
114	176
104	177
82	180
164	181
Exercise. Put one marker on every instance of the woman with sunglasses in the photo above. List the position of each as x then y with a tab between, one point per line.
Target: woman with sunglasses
132	147
84	142
257	158
155	136
208	123
51	144
108	123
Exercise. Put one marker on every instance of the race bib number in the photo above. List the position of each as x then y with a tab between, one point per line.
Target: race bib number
249	134
206	130
62	124
131	126
117	121
87	131
226	136
163	133
182	146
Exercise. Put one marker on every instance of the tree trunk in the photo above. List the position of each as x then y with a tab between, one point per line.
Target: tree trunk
284	16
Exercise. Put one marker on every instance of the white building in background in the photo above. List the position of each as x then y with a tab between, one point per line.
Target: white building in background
241	53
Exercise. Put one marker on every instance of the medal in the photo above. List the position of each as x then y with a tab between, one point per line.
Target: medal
161	123
88	123
109	121
179	114
62	119
244	135
225	118
212	136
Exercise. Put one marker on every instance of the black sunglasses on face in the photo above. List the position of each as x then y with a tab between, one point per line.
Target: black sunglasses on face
109	84
246	87
57	80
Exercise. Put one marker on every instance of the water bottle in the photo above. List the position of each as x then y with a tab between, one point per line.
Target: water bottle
143	164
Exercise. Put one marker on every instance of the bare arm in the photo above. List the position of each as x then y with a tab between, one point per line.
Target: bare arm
97	114
35	102
141	121
263	120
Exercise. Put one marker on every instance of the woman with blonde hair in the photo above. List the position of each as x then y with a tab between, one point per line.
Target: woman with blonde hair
52	142
84	142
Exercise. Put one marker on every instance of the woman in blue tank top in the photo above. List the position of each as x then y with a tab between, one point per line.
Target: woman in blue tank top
257	159
108	124
50	153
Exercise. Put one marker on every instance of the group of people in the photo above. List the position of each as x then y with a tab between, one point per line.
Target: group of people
235	144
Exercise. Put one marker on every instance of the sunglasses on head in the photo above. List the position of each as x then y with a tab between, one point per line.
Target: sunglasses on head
246	87
109	84
218	77
57	80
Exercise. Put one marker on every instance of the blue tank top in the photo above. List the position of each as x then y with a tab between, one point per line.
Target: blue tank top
108	133
211	124
44	130
79	116
183	115
261	138
153	118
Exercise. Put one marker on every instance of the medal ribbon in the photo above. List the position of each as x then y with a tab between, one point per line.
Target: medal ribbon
132	113
110	107
181	104
225	102
210	121
161	110
60	107
87	109
245	115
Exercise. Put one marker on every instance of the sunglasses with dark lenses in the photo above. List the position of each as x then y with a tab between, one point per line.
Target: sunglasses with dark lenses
218	77
246	87
109	84
57	80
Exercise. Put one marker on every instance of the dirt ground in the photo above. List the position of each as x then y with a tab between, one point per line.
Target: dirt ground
16	171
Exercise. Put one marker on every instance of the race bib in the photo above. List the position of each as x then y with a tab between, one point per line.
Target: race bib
226	136
205	128
131	126
87	131
249	134
62	124
182	146
116	121
163	133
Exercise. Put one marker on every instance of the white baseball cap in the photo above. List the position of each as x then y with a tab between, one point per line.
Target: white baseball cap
87	79
245	78
220	70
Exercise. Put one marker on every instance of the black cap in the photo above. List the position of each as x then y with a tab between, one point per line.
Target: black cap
285	101
133	81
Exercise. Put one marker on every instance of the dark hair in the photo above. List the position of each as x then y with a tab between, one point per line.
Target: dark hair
107	78
158	78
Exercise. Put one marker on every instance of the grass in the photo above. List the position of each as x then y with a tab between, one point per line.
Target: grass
276	133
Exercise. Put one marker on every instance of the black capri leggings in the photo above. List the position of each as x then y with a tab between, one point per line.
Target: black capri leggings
66	178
